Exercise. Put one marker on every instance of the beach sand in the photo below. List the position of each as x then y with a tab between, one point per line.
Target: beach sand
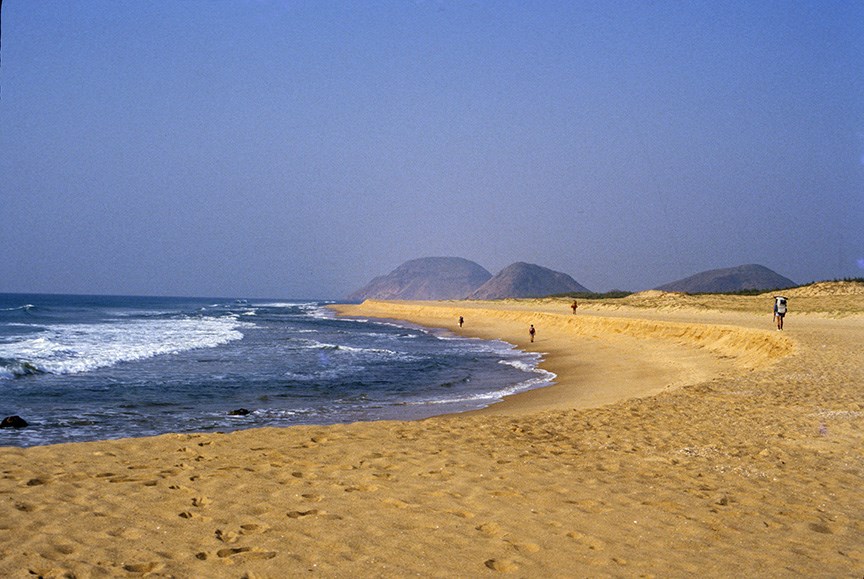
684	435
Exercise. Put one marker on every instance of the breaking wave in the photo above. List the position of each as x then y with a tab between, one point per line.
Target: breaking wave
75	348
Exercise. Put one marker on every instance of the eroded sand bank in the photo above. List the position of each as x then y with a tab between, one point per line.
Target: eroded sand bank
598	359
740	456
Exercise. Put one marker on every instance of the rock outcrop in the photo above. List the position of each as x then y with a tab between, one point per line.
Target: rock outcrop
732	279
13	422
428	278
526	280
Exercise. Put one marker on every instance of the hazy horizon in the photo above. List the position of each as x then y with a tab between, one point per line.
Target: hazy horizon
300	149
343	297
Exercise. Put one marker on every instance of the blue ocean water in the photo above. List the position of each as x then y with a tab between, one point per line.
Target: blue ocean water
99	367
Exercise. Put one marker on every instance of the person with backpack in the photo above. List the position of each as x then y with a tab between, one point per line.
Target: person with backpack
779	311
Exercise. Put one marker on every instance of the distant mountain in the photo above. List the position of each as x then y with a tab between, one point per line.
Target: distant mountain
731	279
427	278
526	280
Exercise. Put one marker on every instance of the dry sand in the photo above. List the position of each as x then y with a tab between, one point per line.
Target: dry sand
684	436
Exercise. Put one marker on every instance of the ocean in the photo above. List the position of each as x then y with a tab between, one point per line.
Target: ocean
81	368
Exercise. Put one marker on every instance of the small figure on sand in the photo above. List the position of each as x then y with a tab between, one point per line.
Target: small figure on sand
574	306
779	311
461	321
532	331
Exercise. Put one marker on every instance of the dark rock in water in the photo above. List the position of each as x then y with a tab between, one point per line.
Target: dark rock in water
239	412
13	422
29	369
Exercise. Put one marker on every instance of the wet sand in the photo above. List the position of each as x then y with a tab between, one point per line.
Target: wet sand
681	438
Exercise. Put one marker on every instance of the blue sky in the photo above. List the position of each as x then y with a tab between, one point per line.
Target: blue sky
298	149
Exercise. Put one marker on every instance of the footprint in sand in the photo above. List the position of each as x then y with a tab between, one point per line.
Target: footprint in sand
820	528
588	541
191	515
230	537
313	513
502	565
526	547
180	488
361	488
124	479
200	501
142	567
244	553
64	549
491	529
226	536
252	528
399	504
126	533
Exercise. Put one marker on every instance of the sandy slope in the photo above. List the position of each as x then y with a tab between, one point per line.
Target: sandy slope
599	359
742	457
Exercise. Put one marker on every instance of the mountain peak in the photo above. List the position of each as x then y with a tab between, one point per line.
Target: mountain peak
526	280
743	277
426	278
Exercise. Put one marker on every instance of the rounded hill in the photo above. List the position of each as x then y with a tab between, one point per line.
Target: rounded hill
526	280
731	279
426	278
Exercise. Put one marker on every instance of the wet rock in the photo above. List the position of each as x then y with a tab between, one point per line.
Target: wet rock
13	422
239	412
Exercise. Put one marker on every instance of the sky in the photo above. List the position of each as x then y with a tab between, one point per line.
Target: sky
270	148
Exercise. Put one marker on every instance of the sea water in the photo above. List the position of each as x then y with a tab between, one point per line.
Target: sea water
80	368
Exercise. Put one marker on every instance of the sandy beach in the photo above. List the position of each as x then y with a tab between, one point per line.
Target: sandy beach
684	435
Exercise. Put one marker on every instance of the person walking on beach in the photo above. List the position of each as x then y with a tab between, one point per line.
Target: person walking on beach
532	331
574	306
779	311
461	321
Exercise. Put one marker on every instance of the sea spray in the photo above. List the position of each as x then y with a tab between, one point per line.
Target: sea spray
86	368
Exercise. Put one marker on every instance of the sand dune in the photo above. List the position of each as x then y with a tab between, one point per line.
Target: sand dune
686	441
827	289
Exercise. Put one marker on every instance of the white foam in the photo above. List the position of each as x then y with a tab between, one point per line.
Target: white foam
75	348
282	305
25	307
519	365
355	350
545	379
328	314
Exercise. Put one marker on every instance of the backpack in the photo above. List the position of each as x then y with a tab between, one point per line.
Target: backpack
781	305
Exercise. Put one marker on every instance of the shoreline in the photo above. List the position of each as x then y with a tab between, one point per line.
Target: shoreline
585	353
749	467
